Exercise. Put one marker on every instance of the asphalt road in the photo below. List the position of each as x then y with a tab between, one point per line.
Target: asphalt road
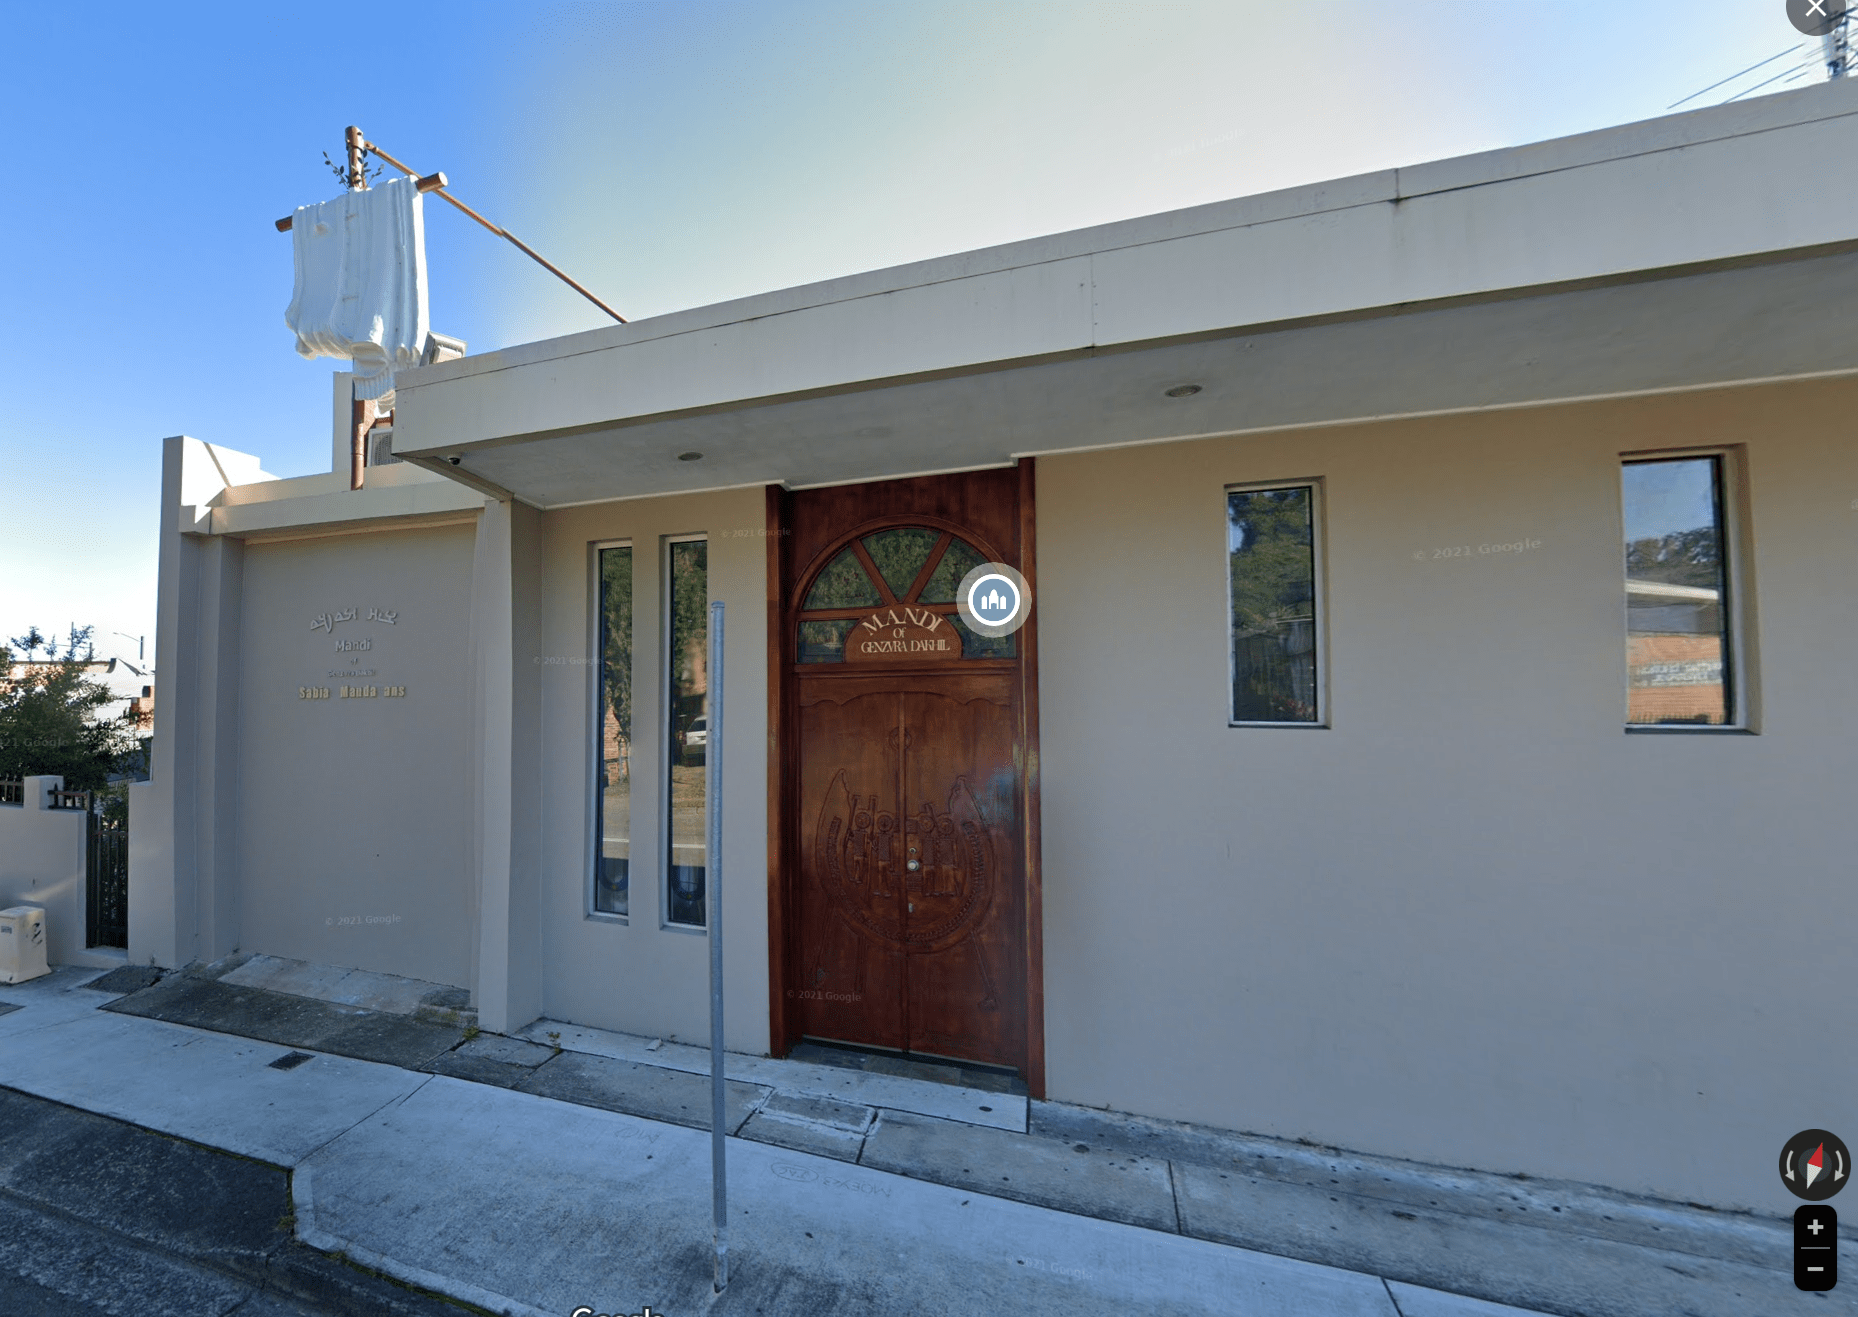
97	1216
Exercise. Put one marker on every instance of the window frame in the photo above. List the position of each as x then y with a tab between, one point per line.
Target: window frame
666	748
1319	604
1731	486
596	686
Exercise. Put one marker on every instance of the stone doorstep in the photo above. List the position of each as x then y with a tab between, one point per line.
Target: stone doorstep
986	1080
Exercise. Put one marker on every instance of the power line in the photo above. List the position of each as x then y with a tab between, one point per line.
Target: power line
1733	76
1798	68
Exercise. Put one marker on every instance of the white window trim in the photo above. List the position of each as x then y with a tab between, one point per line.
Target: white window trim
596	741
667	752
1318	569
1731	473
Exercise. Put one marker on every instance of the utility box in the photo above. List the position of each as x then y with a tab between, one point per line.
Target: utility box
22	944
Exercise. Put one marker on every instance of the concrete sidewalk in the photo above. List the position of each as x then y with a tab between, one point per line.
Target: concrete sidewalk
100	1216
538	1176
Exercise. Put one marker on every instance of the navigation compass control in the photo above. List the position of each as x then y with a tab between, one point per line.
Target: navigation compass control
1815	1164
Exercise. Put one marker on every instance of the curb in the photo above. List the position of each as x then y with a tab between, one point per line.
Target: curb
303	1203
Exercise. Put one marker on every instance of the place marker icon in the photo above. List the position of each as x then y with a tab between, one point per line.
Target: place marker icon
993	600
1815	1164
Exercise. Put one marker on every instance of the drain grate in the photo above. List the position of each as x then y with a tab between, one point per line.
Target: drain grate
291	1060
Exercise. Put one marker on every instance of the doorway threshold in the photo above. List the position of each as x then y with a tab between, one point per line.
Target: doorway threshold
909	1065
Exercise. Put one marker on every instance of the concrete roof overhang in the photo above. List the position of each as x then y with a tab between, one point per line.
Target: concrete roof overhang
1694	251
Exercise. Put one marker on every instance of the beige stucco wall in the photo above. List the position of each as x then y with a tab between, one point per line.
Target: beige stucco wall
639	975
1473	921
353	814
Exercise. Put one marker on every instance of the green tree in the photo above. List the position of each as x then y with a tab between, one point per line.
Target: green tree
1271	542
52	716
616	599
1271	560
690	616
1685	557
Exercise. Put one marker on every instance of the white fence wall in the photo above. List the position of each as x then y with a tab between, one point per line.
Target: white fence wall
42	864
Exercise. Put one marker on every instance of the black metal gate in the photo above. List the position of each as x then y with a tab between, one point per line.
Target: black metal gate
106	862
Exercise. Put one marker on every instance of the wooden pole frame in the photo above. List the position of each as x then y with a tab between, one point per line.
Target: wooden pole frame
358	146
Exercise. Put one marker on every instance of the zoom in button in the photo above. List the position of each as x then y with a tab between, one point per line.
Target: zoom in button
1815	1247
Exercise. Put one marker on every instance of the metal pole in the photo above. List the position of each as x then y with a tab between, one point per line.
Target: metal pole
522	246
712	876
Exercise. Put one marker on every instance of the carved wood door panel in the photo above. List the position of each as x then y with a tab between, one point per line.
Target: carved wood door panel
964	909
850	978
912	886
904	904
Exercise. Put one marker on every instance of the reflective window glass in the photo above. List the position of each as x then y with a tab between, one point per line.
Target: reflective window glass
824	642
1271	552
844	584
613	811
900	555
1677	619
975	645
687	663
959	559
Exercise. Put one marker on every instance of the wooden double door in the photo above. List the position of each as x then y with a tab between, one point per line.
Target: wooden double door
907	810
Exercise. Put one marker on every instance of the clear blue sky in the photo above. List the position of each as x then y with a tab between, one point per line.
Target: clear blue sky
668	155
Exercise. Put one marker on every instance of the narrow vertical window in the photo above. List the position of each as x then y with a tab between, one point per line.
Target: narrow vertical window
613	784
686	663
1677	594
1271	558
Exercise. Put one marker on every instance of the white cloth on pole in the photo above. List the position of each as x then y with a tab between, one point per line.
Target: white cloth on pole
361	282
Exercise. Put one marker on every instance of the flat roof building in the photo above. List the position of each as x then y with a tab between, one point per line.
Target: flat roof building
1427	732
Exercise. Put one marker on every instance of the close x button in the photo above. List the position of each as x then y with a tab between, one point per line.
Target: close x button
1815	1247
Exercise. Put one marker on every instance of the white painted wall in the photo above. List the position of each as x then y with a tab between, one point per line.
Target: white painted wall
640	976
42	864
1472	922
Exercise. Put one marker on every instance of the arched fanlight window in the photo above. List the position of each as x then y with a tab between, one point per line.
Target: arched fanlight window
913	565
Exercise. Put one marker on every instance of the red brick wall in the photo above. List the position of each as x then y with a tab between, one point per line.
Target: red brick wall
1656	667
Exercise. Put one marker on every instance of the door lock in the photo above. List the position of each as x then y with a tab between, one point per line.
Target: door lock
913	866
